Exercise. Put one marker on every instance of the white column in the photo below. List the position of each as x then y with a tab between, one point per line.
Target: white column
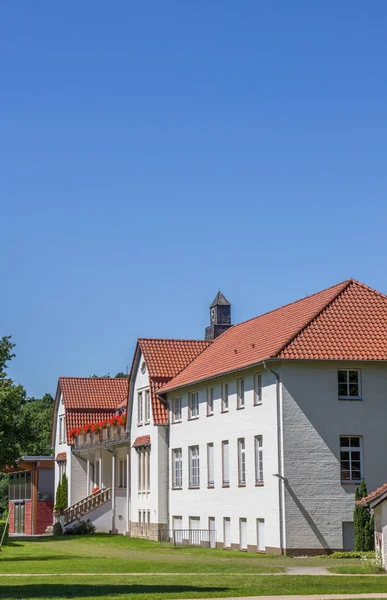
128	482
88	477
113	490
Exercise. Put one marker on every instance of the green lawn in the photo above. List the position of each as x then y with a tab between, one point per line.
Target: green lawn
189	573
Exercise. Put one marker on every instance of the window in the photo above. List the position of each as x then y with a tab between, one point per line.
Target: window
139	408
20	486
62	430
193	405
139	518
351	459
258	441
241	462
177	468
176	410
122	474
224	397
243	534
257	389
143	469
210	401
194	467
147	407
240	392
348	383
226	532
210	466
225	464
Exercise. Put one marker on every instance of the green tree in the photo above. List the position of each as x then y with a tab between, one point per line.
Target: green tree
121	375
58	497
61	498
15	429
39	411
363	522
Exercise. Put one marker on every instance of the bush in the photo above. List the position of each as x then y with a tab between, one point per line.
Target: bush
353	554
2	527
81	528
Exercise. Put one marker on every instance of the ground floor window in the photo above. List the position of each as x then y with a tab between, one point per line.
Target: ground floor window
261	535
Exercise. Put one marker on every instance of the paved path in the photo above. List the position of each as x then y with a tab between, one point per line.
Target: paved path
302	597
310	571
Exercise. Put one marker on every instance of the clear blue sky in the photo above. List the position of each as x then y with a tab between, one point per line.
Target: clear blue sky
154	152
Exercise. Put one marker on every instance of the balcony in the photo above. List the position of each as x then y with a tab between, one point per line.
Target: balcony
110	435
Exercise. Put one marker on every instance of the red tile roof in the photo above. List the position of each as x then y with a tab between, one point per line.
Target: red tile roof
373	496
164	360
345	322
143	440
91	399
61	456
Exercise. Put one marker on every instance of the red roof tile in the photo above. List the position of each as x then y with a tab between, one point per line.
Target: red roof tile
143	440
255	340
164	360
94	392
373	496
61	456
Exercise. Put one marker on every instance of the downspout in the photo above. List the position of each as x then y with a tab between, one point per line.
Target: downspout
114	530
280	474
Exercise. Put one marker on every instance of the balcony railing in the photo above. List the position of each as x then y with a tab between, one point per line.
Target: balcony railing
105	436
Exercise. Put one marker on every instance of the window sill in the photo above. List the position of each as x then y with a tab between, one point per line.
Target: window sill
210	414
224	411
350	398
139	424
257	404
194	487
211	487
240	407
177	488
225	485
176	422
241	485
259	484
193	418
352	483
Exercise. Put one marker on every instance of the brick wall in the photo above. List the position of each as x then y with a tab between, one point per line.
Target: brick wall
45	517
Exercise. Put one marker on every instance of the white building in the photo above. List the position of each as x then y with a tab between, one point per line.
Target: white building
377	502
261	434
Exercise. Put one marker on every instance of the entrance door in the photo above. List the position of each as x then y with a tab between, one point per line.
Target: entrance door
19	518
226	532
261	535
348	536
243	534
211	527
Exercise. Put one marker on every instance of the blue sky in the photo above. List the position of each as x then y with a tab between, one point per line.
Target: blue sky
154	152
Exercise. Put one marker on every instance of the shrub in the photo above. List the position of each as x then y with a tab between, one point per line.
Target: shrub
354	554
3	524
81	528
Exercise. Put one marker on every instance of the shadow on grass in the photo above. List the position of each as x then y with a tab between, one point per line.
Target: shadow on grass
58	538
96	591
4	558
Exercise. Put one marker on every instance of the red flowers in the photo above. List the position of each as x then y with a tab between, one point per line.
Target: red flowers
95	490
116	421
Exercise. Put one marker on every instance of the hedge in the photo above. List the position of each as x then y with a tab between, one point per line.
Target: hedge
2	526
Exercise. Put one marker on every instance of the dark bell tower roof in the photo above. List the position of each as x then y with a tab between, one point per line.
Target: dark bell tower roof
220	300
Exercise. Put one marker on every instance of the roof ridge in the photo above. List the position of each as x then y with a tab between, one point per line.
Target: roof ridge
92	378
346	281
327	305
147	339
370	289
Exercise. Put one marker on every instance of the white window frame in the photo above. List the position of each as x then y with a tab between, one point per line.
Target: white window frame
140	409
147	405
258	452
225	397
257	389
193	467
176	410
240	393
210	466
241	462
351	449
177	468
210	401
225	463
147	469
193	406
62	429
347	396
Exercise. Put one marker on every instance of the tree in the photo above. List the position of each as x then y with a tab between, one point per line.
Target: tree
38	411
121	375
363	522
14	427
61	498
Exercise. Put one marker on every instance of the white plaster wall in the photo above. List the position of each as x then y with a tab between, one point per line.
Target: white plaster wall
144	501
316	503
64	447
101	518
235	502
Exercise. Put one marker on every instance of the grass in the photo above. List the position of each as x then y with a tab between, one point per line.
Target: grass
154	587
187	573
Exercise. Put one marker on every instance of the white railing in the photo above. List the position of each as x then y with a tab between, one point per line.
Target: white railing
110	434
81	508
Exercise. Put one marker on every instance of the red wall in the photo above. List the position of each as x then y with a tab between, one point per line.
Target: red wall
11	517
44	519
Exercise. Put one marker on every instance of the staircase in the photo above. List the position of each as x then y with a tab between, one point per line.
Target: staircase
81	508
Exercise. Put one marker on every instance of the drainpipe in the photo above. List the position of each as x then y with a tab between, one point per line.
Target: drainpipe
128	489
280	474
167	430
114	530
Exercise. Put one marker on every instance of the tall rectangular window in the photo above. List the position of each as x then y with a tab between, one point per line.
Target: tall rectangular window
240	392
193	405
258	443
177	468
147	407
122	474
194	467
225	464
225	397
241	462
351	459
210	401
139	470
210	465
257	389
139	409
348	384
176	410
147	469
62	430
